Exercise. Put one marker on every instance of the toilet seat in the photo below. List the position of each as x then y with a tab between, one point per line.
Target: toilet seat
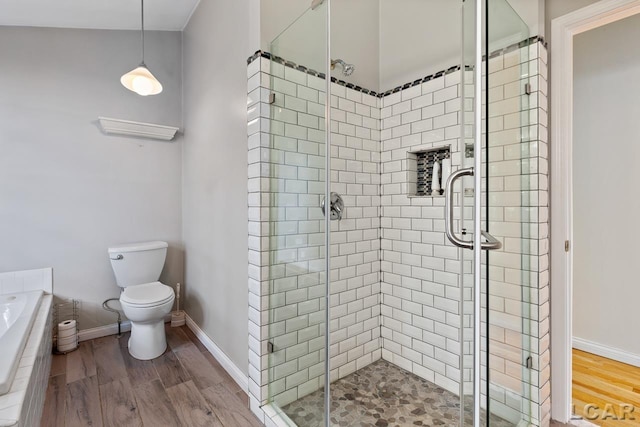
147	295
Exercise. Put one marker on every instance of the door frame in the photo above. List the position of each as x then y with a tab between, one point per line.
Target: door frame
563	30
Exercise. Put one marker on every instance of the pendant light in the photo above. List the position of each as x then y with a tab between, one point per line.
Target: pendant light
140	80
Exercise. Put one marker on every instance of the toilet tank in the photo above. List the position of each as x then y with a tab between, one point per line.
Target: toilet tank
138	263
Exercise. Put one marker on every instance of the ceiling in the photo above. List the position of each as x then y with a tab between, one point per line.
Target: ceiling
168	15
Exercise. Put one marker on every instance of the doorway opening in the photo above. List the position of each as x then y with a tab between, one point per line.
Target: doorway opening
595	364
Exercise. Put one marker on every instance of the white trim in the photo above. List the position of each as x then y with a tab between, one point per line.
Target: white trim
606	351
112	329
103	331
563	29
236	373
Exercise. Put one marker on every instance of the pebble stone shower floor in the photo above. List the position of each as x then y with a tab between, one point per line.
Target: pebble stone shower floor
382	395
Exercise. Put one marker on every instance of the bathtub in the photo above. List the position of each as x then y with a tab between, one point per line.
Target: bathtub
17	314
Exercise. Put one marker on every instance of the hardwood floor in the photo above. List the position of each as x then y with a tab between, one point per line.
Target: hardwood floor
100	384
612	387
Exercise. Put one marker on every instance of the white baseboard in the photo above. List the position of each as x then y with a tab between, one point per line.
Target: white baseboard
606	351
106	330
236	373
103	331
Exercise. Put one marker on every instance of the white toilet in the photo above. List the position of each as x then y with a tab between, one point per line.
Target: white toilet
144	300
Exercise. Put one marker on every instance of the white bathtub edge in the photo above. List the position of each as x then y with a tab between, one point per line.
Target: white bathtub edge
13	404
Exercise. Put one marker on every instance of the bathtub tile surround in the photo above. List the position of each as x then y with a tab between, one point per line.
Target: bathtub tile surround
18	315
417	290
22	405
27	280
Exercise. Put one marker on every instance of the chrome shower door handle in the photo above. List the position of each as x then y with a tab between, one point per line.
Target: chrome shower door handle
448	207
491	244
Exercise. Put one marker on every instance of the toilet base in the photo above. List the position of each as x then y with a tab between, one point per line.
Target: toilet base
148	340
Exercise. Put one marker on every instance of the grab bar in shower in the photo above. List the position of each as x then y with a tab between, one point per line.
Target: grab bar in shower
491	244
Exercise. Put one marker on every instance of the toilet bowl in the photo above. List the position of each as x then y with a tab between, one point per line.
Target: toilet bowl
144	300
146	307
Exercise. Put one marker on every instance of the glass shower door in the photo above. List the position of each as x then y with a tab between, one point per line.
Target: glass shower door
495	198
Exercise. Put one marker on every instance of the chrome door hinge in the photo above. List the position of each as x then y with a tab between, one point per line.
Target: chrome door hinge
527	89
567	245
272	98
269	347
529	362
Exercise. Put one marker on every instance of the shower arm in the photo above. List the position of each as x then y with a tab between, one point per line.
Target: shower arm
335	62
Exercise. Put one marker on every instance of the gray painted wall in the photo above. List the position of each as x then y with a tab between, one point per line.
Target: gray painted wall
67	191
215	222
605	176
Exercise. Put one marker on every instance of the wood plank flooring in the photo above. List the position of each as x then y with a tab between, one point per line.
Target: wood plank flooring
610	385
101	385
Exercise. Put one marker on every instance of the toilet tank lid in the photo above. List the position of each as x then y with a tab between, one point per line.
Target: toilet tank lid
137	247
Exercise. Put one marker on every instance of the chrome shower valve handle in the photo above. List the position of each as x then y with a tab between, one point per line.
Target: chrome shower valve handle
336	206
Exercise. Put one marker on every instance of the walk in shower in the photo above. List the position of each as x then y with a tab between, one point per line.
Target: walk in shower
408	127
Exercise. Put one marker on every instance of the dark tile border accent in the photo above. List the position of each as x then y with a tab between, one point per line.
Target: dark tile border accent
293	65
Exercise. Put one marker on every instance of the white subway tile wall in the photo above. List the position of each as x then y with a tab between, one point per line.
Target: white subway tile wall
518	216
395	290
286	166
420	287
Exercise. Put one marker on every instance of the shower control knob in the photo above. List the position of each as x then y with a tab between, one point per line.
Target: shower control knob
336	207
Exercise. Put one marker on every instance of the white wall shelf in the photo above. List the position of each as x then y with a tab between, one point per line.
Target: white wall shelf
143	130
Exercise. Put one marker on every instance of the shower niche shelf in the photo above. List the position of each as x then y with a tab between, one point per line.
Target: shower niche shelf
420	171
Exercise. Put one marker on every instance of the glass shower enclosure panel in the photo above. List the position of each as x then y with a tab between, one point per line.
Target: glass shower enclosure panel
429	303
510	174
505	157
297	230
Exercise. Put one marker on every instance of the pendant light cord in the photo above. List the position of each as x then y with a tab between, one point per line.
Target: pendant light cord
142	27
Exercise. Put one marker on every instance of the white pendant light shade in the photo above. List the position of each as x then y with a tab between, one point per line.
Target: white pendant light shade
141	81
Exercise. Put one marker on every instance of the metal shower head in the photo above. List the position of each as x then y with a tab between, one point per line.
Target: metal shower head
347	69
